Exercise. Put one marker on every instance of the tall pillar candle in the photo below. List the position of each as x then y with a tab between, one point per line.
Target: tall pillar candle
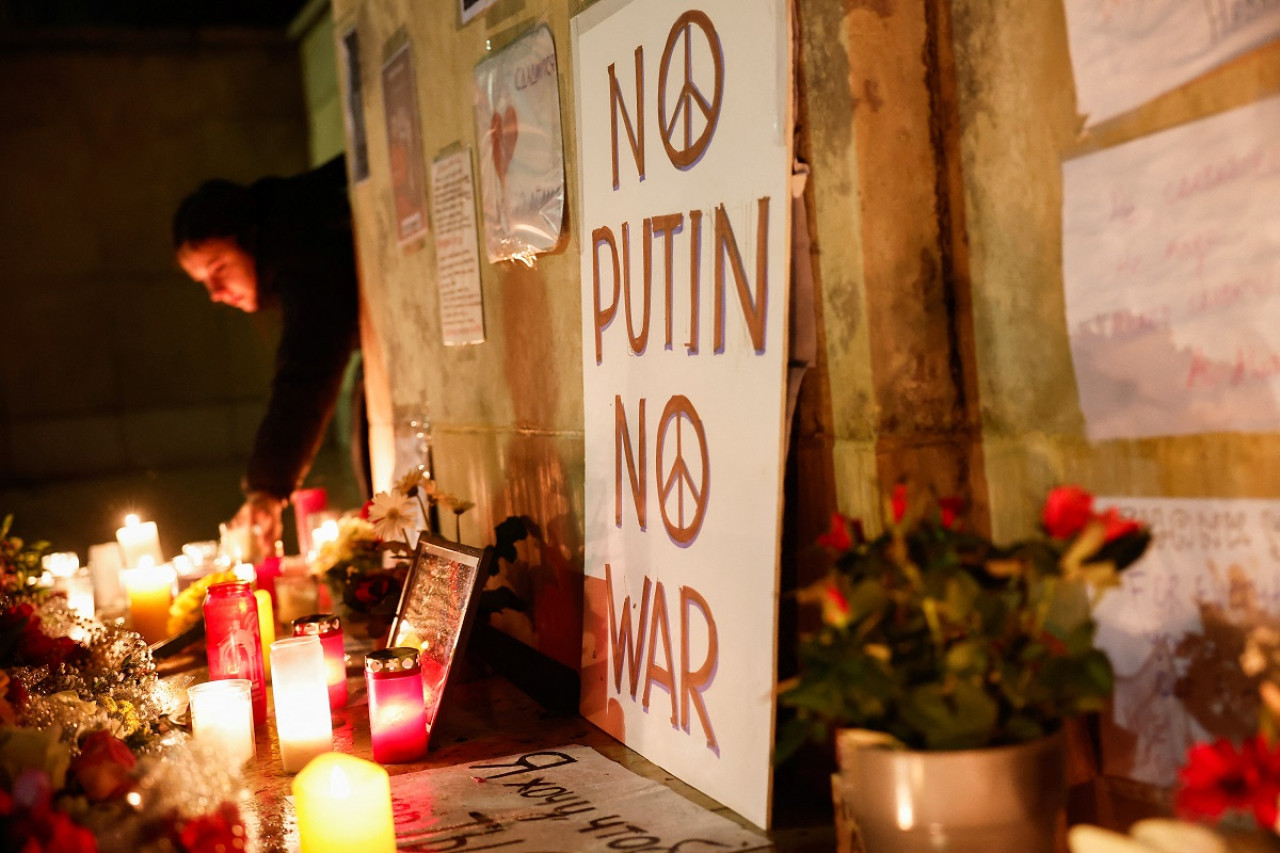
233	639
303	724
343	804
328	627
397	716
106	561
222	717
139	539
150	589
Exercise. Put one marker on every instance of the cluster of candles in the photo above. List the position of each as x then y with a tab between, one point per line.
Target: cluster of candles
308	677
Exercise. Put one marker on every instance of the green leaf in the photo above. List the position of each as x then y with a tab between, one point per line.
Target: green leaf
958	719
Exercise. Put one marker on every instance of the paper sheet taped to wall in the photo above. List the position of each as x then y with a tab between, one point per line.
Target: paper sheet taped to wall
1171	265
1208	557
1126	52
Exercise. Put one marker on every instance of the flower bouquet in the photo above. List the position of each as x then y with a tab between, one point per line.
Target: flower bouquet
366	564
90	756
940	639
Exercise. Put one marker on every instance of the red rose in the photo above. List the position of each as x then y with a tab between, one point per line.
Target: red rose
950	508
898	500
371	589
219	832
837	538
103	766
1115	525
1067	510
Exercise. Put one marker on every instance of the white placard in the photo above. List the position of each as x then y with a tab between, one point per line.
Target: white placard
453	210
684	379
1223	552
1171	263
1126	52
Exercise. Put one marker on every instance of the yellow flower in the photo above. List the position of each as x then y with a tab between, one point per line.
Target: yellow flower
185	610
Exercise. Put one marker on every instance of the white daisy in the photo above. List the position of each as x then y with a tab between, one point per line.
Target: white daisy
392	515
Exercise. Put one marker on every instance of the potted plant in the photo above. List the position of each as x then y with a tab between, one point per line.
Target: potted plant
936	641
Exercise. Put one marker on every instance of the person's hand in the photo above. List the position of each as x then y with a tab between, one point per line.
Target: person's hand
260	515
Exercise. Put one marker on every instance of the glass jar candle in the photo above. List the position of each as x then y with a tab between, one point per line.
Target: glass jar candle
397	716
328	627
233	640
222	717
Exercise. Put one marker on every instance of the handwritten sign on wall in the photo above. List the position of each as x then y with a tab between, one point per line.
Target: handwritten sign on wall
1219	552
1171	266
1126	52
684	146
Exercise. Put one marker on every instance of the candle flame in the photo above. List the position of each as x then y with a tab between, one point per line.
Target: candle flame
339	785
130	520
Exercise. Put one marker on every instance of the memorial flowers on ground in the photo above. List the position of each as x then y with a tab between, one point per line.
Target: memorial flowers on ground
91	755
943	639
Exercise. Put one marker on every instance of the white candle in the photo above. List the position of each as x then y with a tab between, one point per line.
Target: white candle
301	691
235	543
139	539
222	717
105	562
150	594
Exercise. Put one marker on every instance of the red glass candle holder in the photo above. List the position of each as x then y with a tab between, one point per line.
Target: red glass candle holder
328	627
397	715
233	641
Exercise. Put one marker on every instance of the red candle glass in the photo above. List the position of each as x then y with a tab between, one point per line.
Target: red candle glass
397	716
328	627
233	641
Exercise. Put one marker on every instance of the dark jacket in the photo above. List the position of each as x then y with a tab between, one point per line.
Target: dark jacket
306	269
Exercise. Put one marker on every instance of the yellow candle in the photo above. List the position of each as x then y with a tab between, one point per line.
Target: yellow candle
150	590
344	804
139	539
266	627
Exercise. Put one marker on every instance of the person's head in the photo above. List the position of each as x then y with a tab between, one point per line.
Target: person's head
214	232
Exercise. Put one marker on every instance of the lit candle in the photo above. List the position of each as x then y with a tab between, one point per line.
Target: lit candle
266	628
236	543
71	580
343	804
222	717
328	627
105	562
397	716
150	590
139	539
233	640
303	724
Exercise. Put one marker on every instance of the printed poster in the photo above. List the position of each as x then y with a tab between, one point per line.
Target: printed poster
1172	274
404	144
517	102
1224	553
453	209
683	138
1126	52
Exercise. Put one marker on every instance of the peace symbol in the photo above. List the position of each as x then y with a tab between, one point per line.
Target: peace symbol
680	478
690	95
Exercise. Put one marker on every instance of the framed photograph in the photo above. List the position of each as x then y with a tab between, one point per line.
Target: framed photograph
437	606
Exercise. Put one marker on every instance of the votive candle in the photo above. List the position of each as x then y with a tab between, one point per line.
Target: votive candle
233	640
222	717
303	724
150	589
397	716
139	539
343	803
328	627
266	628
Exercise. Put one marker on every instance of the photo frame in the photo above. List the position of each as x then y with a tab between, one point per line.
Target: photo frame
437	608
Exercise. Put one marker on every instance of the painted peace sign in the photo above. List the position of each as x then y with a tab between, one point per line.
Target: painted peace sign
680	478
691	95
